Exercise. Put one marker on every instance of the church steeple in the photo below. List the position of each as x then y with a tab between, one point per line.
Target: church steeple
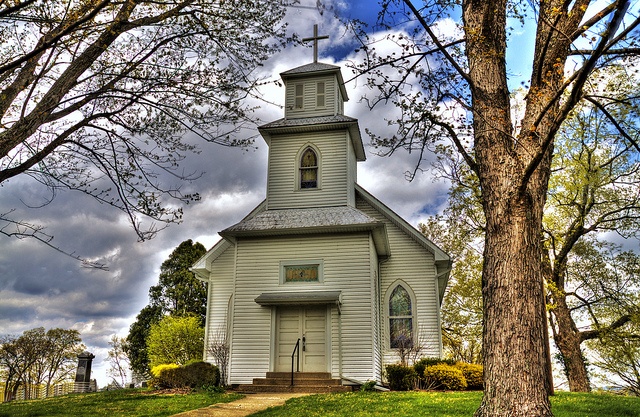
314	149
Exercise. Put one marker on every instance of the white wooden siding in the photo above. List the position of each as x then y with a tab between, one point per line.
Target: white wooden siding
376	316
282	184
352	172
220	291
346	267
309	107
411	263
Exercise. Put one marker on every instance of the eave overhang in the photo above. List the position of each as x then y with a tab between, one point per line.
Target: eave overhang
317	69
377	229
299	298
316	124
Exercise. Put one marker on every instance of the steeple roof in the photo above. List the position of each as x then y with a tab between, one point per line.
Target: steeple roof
312	124
317	68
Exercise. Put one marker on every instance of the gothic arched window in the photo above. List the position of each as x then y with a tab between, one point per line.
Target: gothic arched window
400	318
309	169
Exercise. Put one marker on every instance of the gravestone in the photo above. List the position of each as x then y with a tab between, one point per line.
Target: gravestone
83	374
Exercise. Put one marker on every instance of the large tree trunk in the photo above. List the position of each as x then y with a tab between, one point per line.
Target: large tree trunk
515	371
568	340
513	199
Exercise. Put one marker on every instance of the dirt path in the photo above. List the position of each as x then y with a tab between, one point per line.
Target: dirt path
242	407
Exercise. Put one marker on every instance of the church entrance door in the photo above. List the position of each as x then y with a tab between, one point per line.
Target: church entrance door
309	324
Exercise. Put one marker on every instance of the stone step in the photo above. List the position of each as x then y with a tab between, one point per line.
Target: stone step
307	382
249	389
296	381
299	375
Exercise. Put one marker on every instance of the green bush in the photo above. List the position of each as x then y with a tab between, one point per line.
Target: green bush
420	366
400	377
368	386
193	375
472	373
445	377
157	370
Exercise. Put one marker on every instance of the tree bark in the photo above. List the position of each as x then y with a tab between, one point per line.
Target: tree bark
515	371
513	198
568	340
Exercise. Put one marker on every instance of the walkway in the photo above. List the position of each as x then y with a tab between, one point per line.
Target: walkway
250	404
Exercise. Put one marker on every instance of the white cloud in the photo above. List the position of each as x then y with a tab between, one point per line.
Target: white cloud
41	287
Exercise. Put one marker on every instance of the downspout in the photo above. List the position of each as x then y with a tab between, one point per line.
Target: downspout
339	341
381	315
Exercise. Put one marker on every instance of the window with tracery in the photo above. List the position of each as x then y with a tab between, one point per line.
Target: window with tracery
309	169
400	318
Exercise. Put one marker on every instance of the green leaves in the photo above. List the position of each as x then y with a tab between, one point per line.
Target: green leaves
178	293
175	340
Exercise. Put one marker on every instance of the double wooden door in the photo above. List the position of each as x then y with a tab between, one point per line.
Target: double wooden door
309	324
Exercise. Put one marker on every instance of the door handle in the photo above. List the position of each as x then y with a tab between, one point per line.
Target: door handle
304	343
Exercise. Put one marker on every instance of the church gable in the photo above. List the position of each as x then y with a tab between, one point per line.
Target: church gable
411	269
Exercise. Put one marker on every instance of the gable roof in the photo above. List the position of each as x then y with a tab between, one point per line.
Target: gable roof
442	260
308	221
203	265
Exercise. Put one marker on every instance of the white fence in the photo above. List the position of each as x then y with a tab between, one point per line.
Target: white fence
40	391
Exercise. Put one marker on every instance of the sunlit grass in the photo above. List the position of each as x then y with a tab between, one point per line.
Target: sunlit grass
137	403
121	403
447	404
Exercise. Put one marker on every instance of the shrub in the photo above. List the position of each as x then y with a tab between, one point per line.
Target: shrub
420	366
192	375
400	377
368	386
202	373
157	370
445	377
472	373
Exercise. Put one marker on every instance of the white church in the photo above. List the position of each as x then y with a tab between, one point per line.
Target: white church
321	271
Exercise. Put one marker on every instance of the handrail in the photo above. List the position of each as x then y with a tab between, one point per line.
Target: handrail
295	349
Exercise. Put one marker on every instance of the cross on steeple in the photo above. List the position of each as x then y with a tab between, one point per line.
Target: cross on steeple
315	39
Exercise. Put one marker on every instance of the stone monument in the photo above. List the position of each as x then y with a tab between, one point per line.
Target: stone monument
83	374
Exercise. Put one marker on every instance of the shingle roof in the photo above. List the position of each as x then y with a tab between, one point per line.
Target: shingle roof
293	219
307	121
313	67
314	124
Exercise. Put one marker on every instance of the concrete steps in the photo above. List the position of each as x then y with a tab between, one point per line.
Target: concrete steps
307	382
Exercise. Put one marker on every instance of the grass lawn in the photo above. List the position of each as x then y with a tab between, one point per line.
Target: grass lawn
450	404
139	403
121	403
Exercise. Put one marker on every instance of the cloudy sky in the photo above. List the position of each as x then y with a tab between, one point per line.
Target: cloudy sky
41	287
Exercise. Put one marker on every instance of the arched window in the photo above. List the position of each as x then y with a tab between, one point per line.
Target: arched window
309	169
400	318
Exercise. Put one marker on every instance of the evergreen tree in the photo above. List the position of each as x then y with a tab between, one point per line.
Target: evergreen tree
178	294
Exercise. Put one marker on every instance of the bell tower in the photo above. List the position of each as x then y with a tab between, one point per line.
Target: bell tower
314	148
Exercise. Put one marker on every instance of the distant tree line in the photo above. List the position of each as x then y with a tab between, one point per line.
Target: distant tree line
37	358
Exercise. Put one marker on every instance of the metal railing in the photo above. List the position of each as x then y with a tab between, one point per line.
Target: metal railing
295	349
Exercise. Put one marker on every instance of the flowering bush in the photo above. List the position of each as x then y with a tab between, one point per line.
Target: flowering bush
445	377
